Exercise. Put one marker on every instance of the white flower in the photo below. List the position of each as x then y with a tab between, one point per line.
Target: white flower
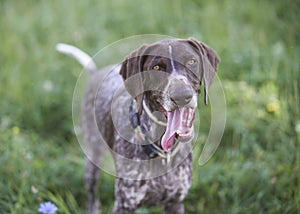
297	127
48	85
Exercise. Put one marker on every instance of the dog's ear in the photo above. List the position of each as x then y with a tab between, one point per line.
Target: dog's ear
210	61
131	71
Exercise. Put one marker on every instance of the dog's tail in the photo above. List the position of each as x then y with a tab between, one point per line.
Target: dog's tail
83	58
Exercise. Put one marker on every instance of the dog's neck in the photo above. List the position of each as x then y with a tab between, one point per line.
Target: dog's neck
141	124
152	116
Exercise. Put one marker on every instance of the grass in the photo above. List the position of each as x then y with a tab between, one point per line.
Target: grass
256	168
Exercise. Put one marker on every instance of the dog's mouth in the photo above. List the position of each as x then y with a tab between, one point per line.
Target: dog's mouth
180	126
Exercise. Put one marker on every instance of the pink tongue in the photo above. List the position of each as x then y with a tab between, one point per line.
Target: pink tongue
173	124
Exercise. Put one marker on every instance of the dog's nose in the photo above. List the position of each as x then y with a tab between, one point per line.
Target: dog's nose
181	93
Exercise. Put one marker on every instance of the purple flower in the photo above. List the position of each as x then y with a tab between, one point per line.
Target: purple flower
47	208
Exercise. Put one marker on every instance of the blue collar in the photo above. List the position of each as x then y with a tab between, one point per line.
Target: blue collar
135	122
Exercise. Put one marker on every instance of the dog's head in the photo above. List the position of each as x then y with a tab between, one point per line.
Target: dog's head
168	74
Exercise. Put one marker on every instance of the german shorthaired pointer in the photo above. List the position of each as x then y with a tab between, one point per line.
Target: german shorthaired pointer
143	112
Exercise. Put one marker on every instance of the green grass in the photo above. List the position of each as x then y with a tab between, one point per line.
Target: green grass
256	168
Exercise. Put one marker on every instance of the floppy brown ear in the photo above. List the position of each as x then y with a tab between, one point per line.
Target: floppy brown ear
210	61
131	69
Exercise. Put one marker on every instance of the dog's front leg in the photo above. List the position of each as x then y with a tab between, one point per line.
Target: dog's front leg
129	195
121	210
121	207
174	208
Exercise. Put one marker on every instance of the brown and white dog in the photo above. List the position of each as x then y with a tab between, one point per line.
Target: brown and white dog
143	111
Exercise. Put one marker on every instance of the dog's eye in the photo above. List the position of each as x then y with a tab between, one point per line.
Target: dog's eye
191	62
156	67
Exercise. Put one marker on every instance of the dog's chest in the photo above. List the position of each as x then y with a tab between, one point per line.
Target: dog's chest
170	187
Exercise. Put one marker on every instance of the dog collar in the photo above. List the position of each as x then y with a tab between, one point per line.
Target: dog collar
149	147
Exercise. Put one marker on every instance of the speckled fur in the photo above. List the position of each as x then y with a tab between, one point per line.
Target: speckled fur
168	189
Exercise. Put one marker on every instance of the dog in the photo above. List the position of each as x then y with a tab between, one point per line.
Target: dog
143	112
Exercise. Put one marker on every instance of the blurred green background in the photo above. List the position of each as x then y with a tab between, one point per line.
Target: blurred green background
256	168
